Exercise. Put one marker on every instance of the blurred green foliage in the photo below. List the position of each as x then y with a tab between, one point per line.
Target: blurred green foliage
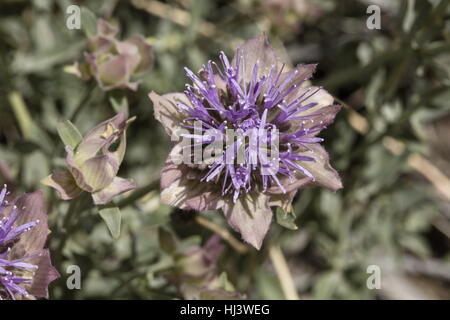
394	83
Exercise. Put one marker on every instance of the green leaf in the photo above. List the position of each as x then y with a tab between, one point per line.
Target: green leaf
159	217
224	283
25	147
165	262
415	244
30	130
119	106
286	219
69	134
167	241
22	114
112	217
326	284
35	165
268	286
88	22
40	62
331	206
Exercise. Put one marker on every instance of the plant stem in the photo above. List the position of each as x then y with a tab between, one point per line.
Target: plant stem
283	273
139	193
67	226
223	233
83	102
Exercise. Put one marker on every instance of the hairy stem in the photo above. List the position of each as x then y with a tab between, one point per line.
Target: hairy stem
83	102
223	233
139	193
68	225
283	272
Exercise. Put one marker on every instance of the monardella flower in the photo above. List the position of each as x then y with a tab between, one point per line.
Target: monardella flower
93	164
274	118
25	266
112	62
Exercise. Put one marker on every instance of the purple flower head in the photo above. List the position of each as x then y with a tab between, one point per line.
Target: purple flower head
25	266
274	115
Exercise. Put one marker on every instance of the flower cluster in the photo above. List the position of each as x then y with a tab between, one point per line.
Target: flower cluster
25	266
93	164
112	62
256	91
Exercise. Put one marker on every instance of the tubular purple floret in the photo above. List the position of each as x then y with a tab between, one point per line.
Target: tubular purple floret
245	105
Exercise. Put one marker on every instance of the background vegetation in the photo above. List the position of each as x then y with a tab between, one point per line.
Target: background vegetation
390	144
